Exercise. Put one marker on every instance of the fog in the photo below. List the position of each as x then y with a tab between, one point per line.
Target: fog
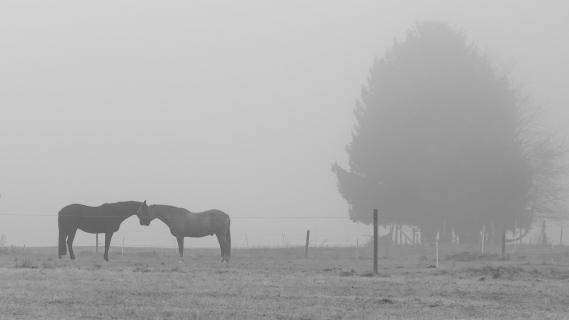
239	106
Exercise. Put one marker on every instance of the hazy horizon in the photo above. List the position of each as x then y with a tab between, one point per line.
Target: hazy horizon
241	106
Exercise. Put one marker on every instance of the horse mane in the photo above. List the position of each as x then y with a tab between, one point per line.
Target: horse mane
120	203
165	208
162	211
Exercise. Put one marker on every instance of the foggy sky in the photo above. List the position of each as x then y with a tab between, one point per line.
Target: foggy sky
239	106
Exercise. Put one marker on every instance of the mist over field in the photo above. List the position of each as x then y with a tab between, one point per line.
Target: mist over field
238	106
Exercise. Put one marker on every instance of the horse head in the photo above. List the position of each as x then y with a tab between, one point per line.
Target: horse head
143	214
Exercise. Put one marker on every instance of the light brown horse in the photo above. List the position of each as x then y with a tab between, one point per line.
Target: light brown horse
183	223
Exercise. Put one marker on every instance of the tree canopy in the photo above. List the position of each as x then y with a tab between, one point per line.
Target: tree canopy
440	136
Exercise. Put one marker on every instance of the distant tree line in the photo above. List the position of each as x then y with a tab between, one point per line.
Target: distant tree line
441	139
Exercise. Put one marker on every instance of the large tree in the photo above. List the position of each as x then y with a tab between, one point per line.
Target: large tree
440	138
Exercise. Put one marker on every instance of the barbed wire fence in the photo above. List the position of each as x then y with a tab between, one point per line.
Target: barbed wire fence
247	232
250	232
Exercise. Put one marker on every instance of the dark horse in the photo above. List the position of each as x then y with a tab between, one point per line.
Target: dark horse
183	223
102	219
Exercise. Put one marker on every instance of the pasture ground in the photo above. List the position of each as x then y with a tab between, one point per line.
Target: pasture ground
279	283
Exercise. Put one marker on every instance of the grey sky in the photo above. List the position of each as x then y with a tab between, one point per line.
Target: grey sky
240	106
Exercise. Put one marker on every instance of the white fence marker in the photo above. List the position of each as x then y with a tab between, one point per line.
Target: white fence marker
437	251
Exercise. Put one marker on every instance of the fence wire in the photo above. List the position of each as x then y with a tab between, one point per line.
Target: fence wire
246	231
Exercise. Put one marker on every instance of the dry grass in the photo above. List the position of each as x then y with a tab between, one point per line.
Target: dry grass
280	284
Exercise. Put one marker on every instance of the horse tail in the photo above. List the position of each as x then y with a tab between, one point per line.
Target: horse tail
62	236
228	237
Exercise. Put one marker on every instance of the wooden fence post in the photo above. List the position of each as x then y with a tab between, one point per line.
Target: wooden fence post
492	233
482	238
375	244
543	234
504	245
96	242
515	232
307	241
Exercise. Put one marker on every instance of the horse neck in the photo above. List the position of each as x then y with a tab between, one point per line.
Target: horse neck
163	218
161	212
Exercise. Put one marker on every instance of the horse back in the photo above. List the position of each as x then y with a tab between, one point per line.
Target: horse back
73	210
88	219
205	223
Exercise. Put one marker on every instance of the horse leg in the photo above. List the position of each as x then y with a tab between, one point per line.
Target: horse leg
180	247
228	243
70	238
221	240
108	237
62	244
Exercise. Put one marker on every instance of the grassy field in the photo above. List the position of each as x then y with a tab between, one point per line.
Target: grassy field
282	284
